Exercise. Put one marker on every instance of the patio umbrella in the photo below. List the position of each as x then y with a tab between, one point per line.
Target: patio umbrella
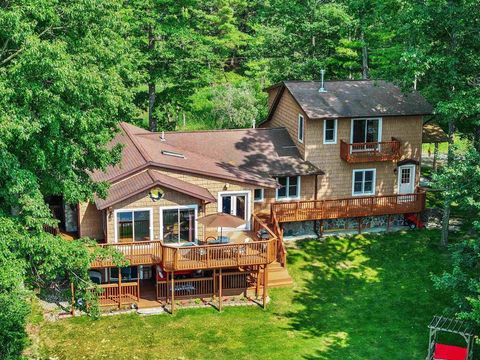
221	220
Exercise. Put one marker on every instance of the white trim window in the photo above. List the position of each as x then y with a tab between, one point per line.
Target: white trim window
366	130
289	188
330	131
178	224
363	182
301	128
258	195
133	225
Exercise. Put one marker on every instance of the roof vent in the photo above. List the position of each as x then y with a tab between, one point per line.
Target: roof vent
162	136
322	88
173	153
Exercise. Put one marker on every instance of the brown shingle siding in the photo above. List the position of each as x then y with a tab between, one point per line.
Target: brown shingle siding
286	115
337	181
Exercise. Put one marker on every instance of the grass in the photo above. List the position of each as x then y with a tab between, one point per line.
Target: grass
461	144
362	297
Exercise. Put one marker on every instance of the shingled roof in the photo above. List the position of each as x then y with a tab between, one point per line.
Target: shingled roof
146	180
354	98
252	156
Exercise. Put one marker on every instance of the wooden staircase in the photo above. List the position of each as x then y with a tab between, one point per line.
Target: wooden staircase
278	275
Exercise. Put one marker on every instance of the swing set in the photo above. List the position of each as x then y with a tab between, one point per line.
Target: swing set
437	351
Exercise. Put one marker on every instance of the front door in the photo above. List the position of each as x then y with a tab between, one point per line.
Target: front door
236	205
406	179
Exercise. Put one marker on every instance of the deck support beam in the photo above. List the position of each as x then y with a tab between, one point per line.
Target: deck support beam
257	285
359	225
220	296
72	289
265	286
172	296
119	287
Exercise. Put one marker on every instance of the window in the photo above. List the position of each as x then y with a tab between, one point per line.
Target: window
363	182
301	128
128	273
366	131
133	225
330	131
258	195
289	188
178	224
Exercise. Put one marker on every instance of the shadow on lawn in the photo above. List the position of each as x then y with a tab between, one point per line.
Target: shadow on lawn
366	297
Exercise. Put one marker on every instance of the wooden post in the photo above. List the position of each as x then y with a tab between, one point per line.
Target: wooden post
220	299
359	225
72	311
321	228
138	288
257	285
214	283
388	222
119	287
173	291
167	290
265	286
435	156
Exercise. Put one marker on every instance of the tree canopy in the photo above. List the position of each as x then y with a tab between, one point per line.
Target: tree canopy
70	70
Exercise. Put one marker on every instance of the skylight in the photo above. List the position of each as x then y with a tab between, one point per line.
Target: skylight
173	153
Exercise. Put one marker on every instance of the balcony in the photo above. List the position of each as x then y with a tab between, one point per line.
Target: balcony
348	207
370	151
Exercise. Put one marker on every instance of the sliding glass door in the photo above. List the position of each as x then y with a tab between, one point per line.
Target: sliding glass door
366	131
178	224
133	225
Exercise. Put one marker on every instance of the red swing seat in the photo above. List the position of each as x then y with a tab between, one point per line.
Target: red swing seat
449	352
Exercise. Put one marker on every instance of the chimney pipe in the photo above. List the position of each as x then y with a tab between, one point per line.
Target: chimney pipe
322	88
162	136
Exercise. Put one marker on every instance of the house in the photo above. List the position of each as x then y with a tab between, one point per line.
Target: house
366	136
346	157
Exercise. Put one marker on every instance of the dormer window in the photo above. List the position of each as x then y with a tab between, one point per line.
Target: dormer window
301	128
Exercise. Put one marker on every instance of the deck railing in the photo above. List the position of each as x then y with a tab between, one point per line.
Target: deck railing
233	283
218	256
348	207
370	151
173	258
116	294
137	253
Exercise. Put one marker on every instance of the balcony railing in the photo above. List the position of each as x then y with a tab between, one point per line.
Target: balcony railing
137	253
175	258
348	207
370	151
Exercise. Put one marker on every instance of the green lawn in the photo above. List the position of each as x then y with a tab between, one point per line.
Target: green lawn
362	297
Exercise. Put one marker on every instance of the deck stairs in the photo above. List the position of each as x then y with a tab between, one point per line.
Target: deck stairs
278	275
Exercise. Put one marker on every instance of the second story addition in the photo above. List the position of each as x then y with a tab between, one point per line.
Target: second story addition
351	130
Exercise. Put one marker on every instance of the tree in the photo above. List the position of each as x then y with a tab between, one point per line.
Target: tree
462	282
234	106
295	39
186	45
67	74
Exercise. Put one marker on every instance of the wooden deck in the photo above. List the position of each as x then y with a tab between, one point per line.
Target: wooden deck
348	207
370	152
245	249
